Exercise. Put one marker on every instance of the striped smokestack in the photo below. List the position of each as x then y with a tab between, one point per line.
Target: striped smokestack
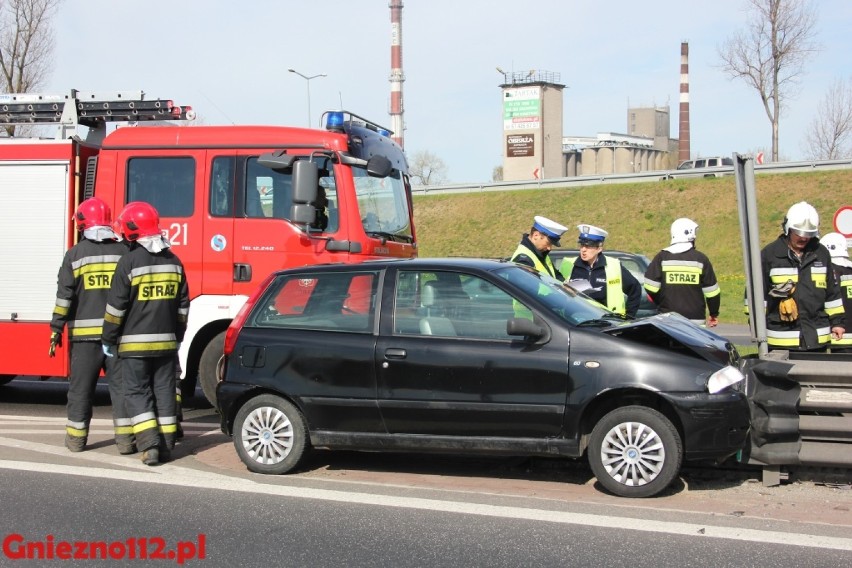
396	76
683	130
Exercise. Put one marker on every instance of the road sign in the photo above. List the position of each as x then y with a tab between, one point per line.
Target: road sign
759	158
843	221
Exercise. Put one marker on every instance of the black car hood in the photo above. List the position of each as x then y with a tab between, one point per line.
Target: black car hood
663	329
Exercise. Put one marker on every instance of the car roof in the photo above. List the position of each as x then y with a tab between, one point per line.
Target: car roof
614	253
467	263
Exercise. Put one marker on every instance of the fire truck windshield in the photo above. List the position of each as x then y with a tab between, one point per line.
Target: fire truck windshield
383	205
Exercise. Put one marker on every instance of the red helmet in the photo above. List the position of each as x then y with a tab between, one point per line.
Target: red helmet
138	219
93	212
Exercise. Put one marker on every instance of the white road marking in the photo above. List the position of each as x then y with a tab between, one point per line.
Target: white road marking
168	474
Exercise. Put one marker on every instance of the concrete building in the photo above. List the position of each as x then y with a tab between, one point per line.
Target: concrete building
532	125
534	147
646	147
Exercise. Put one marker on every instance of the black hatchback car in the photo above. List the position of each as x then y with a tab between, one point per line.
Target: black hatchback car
473	356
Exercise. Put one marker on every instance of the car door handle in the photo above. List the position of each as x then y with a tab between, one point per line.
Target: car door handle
394	353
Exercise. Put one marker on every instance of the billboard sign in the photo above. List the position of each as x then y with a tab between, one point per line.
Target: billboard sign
520	145
522	108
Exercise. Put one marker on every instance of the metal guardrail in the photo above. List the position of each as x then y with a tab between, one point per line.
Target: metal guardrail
800	402
801	412
649	176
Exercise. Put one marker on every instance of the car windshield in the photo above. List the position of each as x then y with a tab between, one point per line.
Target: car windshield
561	300
383	204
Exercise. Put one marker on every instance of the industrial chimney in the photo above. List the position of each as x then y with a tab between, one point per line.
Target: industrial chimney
683	130
396	76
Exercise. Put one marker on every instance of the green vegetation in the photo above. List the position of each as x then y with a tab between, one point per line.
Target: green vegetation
637	216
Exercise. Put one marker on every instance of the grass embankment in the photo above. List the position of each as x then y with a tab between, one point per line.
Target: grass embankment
637	216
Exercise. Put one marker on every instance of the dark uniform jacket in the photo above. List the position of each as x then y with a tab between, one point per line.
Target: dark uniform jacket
148	304
683	283
817	296
528	255
596	275
843	277
82	286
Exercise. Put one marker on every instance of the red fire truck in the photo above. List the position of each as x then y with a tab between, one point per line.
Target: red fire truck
236	202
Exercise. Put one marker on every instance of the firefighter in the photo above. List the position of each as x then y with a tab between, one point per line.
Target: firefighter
681	279
804	310
82	286
838	248
535	246
144	324
603	279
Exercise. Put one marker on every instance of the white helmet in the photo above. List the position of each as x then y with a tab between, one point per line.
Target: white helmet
836	244
803	219
684	230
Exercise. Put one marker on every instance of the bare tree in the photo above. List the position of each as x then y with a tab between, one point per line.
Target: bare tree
770	53
497	173
26	44
427	169
830	133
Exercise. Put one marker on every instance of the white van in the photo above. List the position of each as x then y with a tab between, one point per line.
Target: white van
709	167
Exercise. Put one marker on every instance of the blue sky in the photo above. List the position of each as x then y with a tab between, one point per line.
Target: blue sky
229	61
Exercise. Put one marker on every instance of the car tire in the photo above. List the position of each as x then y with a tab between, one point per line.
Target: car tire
270	435
207	367
635	451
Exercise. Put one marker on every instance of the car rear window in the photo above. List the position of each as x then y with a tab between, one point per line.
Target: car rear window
328	301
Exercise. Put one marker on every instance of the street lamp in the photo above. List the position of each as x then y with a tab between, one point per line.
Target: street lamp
308	81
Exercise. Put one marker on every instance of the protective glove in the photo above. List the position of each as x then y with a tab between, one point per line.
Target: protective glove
109	350
784	290
788	310
55	341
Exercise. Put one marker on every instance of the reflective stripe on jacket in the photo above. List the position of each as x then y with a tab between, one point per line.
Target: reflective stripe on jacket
83	283
817	297
148	304
545	267
684	283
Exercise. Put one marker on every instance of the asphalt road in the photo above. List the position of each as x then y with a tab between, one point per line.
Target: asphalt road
360	509
213	521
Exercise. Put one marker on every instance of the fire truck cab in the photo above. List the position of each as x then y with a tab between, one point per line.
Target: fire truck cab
236	203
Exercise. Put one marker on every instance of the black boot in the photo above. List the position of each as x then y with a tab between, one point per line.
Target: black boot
151	456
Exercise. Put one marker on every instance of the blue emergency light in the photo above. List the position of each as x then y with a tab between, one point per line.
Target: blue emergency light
334	121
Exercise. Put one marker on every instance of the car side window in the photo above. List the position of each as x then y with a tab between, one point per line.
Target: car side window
330	301
449	304
632	265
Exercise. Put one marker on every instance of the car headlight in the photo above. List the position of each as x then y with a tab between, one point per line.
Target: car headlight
723	378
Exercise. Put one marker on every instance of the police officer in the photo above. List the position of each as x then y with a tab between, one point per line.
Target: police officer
804	310
144	324
82	285
839	251
535	246
681	279
608	282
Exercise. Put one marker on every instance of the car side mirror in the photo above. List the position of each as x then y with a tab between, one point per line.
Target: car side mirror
525	327
379	166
